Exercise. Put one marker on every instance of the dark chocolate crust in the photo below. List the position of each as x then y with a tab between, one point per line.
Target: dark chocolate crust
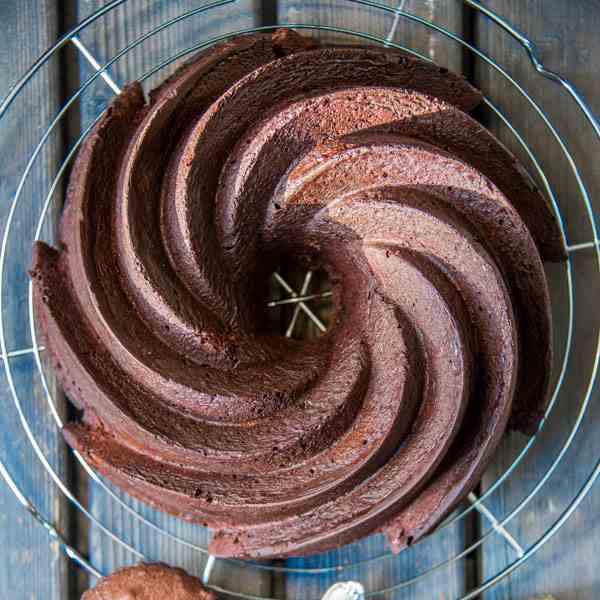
155	581
359	161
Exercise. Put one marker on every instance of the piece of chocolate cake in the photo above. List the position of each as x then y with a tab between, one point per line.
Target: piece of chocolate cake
359	161
154	581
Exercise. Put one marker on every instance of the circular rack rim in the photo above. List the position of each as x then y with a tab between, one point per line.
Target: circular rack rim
534	58
99	481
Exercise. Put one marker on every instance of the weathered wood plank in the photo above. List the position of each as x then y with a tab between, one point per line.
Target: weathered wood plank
382	24
104	40
449	581
566	34
30	567
443	581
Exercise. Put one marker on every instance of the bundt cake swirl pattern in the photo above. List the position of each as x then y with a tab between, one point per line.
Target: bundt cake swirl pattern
359	161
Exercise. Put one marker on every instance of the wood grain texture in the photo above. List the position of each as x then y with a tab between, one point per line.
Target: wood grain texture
105	39
383	24
30	566
377	570
566	34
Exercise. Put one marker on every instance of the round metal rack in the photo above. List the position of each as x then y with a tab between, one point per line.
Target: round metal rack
26	371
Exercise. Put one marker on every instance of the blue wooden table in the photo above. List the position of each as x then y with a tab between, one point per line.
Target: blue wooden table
33	568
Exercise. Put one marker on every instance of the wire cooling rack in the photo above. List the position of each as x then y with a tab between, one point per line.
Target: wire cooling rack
566	283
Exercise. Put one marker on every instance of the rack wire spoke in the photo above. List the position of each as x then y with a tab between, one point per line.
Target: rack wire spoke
293	300
389	38
489	515
296	313
584	246
92	60
301	304
22	352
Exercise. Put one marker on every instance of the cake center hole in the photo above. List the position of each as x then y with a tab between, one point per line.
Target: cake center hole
300	303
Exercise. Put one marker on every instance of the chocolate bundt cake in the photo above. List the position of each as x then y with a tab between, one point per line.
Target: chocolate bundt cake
358	161
154	581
